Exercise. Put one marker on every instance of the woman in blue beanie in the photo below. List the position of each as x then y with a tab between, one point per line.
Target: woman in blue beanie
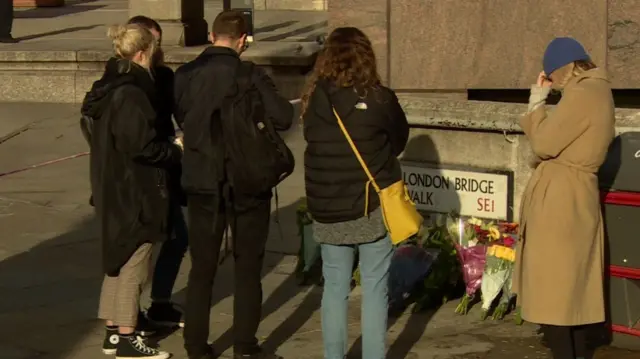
560	267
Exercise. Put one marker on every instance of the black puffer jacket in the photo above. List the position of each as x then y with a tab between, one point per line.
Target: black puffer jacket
128	162
335	181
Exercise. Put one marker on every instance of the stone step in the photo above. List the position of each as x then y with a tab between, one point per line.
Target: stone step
65	86
65	76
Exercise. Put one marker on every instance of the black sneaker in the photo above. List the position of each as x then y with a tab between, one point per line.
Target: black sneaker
165	314
144	328
134	347
111	340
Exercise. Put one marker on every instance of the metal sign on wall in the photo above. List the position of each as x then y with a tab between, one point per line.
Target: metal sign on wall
470	192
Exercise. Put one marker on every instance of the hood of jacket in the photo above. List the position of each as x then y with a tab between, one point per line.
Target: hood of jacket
117	72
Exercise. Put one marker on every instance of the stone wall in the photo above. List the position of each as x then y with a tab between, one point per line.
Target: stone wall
429	49
490	44
480	135
66	76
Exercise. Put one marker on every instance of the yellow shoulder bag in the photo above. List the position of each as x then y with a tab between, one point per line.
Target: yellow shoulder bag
400	214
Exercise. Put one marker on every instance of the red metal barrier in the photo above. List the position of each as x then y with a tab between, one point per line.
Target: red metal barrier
623	199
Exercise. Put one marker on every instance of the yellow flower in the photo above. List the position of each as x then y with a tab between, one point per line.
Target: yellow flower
494	233
502	252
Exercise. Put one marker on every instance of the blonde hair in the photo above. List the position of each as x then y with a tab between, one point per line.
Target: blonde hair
130	39
571	70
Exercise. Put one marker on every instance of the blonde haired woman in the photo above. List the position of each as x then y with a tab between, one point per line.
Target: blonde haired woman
560	269
128	183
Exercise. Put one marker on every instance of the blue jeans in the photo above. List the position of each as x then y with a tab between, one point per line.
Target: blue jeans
170	257
337	264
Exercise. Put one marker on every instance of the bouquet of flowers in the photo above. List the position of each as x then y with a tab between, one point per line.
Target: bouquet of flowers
498	269
470	239
410	265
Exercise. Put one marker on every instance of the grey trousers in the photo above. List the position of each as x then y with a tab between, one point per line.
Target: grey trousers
120	296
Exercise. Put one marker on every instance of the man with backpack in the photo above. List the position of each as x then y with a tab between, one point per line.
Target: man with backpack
229	111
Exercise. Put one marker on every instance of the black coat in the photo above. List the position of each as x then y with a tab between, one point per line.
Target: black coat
334	179
200	87
128	162
164	105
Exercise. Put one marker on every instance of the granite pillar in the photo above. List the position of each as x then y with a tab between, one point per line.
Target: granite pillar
182	21
486	44
370	16
624	44
457	45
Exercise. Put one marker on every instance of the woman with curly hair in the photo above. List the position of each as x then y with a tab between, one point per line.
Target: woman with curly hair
345	88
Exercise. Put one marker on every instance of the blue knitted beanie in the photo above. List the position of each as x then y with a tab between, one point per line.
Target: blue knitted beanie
562	51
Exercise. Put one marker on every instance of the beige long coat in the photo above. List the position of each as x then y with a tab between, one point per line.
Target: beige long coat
560	264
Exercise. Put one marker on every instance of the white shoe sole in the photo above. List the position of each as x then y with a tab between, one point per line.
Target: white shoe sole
109	351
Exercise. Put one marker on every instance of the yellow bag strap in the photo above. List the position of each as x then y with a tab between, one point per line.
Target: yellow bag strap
372	180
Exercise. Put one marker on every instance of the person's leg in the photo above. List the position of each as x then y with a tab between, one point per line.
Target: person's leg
337	262
127	305
560	341
581	342
207	221
167	267
106	312
375	259
250	229
6	18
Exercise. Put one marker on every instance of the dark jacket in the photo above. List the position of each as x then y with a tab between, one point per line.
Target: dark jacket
163	105
334	179
128	162
200	87
164	80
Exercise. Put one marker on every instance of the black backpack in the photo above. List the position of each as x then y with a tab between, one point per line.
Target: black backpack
256	157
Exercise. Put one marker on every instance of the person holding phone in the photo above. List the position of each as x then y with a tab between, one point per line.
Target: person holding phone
559	271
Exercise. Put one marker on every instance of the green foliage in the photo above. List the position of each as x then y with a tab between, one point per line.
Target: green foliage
518	317
445	274
356	276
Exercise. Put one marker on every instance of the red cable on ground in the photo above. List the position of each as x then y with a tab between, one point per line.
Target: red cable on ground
44	164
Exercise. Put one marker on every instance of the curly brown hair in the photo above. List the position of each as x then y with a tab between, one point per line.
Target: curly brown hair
346	60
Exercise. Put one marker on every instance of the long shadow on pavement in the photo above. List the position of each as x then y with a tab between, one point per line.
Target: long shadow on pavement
411	333
50	296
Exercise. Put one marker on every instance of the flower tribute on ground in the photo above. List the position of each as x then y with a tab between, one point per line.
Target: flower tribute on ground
452	256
